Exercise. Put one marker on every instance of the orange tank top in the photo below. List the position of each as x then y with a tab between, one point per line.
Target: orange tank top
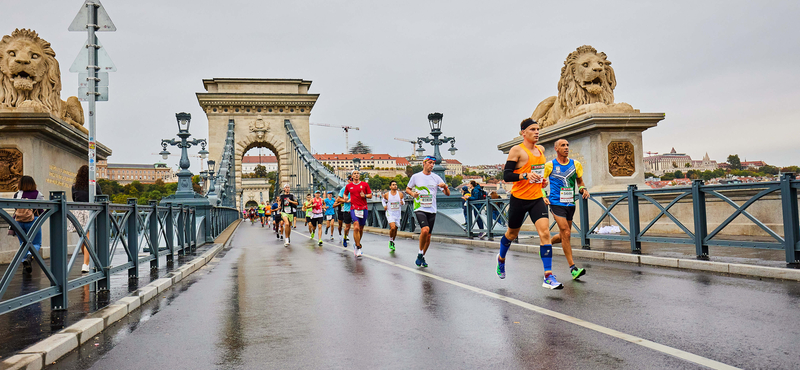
524	189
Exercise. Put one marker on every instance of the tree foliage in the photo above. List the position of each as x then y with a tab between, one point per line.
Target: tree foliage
734	161
142	192
360	148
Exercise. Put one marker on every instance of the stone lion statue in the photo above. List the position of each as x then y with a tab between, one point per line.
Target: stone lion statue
31	78
586	86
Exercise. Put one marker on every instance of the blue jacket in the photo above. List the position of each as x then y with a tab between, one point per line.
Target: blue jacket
476	193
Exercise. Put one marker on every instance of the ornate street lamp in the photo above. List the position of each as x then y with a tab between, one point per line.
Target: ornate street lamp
185	190
435	123
357	163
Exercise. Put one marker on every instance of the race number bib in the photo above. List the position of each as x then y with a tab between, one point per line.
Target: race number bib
359	213
426	200
394	206
539	170
328	217
567	195
287	209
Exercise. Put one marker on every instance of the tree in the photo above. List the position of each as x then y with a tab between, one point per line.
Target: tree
793	169
678	174
360	148
260	171
768	170
329	167
668	176
734	161
376	183
648	174
688	164
454	181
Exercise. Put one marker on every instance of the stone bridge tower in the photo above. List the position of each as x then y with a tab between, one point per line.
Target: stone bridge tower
259	108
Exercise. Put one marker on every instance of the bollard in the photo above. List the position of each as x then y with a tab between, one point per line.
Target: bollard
790	220
633	214
700	220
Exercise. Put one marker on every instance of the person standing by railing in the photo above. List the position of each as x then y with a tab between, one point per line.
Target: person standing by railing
80	193
477	194
495	213
423	186
27	217
565	176
392	202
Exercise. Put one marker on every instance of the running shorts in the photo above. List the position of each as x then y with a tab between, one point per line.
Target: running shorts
393	217
288	216
563	211
361	220
425	219
518	209
345	217
316	221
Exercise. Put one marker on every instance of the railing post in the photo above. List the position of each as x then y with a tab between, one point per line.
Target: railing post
469	219
58	250
181	234
102	237
170	234
132	227
791	234
187	229
193	228
153	229
633	216
700	220
583	214
490	221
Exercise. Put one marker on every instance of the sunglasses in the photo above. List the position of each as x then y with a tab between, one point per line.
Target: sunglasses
429	158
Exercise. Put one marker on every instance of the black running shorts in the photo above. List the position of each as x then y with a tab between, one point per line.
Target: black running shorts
563	211
425	219
518	209
316	221
345	216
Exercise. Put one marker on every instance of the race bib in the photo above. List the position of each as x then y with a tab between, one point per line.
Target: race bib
287	209
328	217
567	195
394	206
426	200
359	213
539	170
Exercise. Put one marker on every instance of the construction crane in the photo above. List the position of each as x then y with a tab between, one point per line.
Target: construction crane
346	133
413	145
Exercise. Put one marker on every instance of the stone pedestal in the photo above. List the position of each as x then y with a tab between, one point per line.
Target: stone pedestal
608	145
51	152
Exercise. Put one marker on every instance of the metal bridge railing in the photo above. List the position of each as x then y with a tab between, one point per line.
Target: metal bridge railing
156	230
376	215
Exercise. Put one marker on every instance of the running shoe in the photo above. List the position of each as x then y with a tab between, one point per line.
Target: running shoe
391	245
424	264
320	242
331	236
286	243
481	235
577	273
27	266
344	243
420	260
550	282
85	268
501	268
312	235
358	252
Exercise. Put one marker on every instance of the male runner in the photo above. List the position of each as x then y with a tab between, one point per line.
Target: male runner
252	214
525	168
344	201
565	175
423	187
261	212
289	208
317	209
392	202
359	192
307	209
330	211
276	218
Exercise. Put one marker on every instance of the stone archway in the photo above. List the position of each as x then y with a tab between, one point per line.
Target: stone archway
269	141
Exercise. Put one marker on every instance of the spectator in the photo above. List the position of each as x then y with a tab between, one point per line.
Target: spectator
477	194
80	193
27	217
465	195
495	212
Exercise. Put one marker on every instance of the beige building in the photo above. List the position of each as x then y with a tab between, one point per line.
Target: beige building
249	163
453	167
125	173
674	161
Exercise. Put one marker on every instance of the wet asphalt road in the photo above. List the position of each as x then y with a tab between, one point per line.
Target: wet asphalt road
260	305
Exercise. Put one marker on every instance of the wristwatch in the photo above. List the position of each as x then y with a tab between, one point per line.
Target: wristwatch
525	176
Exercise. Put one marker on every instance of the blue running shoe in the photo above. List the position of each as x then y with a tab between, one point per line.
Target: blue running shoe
419	260
550	282
424	263
344	243
501	268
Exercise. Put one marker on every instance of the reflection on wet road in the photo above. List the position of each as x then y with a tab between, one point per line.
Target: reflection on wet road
260	305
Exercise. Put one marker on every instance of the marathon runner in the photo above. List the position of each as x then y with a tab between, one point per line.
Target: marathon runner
565	176
392	202
307	210
423	187
288	209
252	215
276	218
344	216
525	168
359	192
262	212
330	212
317	209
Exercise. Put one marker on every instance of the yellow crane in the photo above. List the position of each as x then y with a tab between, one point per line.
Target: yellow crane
346	133
413	146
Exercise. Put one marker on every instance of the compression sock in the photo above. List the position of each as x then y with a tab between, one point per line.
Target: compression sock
546	252
505	244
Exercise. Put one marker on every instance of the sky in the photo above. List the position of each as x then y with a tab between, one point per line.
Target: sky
723	72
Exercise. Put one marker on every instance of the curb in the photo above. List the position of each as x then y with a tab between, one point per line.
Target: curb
687	264
50	349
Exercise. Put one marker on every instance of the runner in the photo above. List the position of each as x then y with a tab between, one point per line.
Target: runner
252	215
423	187
307	210
289	208
330	211
565	175
261	212
277	221
317	209
392	201
525	168
359	192
344	216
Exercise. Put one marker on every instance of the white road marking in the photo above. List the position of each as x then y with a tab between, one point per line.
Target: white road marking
691	357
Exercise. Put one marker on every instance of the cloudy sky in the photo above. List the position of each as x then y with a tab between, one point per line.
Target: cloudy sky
724	72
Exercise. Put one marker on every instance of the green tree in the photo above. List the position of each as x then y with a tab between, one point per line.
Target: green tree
360	148
329	167
648	174
688	164
668	176
678	174
768	170
455	181
734	161
793	169
260	171
376	183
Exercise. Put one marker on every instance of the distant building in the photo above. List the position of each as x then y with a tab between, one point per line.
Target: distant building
674	161
126	173
489	169
378	164
453	167
753	165
249	163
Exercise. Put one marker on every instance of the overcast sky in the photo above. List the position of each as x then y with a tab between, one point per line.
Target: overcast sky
724	72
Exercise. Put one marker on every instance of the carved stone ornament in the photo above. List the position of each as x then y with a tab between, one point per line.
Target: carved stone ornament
259	127
621	159
10	169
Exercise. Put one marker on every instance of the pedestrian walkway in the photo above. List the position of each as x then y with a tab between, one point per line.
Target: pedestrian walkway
264	305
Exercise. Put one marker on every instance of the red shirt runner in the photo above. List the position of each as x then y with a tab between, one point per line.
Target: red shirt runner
356	200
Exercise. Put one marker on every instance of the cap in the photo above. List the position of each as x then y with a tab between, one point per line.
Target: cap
317	192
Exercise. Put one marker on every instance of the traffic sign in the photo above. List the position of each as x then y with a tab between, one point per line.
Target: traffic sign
81	21
103	60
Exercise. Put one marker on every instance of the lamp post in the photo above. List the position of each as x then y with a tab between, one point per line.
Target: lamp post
357	163
212	192
185	190
435	122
